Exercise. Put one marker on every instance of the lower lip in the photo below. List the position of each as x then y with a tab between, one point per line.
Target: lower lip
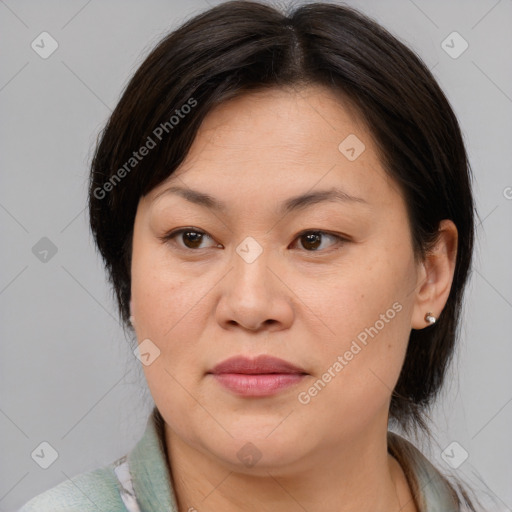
258	384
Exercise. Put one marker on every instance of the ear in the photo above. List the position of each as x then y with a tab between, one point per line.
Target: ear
435	276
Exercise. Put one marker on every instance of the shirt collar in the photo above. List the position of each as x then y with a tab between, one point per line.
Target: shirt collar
429	487
149	468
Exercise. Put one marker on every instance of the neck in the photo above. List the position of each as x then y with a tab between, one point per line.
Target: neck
362	476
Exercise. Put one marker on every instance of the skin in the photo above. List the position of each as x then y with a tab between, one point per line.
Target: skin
200	302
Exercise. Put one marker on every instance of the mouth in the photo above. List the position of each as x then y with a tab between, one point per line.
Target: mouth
261	376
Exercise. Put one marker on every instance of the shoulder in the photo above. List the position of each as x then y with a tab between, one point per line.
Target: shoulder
431	489
87	492
141	476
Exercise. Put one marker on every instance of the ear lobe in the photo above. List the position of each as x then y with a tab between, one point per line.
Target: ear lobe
436	277
132	318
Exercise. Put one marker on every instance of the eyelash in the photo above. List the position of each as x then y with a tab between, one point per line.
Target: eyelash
169	237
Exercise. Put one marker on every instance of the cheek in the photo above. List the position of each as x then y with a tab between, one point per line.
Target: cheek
162	307
169	312
367	309
358	373
160	293
167	309
360	293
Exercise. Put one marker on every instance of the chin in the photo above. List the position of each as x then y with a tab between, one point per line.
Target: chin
254	452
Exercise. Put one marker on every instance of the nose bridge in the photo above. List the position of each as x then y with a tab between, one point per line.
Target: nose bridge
250	261
252	297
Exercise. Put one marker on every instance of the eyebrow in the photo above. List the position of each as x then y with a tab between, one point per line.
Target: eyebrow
292	204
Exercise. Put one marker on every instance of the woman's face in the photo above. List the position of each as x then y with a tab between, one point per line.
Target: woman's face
327	285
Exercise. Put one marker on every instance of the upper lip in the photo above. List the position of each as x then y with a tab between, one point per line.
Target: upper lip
262	364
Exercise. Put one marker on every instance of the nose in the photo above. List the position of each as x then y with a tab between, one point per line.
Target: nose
254	296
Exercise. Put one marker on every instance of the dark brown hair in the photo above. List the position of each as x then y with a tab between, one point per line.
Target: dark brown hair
240	46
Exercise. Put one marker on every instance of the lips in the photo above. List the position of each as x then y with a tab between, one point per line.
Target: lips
260	365
261	376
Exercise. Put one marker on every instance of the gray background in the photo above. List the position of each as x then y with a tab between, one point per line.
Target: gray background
67	374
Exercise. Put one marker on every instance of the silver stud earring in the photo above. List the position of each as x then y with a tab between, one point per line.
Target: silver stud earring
132	319
430	318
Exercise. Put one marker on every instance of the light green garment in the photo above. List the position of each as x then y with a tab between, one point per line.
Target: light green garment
141	481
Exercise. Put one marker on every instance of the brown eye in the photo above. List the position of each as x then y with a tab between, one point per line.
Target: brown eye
311	240
190	238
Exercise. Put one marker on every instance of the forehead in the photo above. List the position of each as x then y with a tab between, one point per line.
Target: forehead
282	142
280	123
